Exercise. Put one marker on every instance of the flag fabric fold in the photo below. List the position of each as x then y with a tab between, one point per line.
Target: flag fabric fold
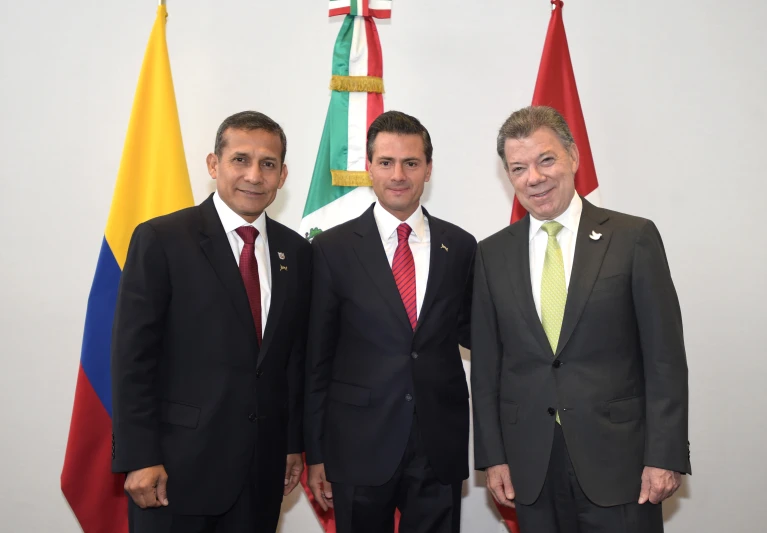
152	180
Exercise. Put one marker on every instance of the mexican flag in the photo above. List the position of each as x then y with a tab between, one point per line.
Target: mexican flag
340	188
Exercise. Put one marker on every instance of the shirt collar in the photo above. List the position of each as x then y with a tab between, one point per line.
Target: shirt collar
569	219
387	223
231	220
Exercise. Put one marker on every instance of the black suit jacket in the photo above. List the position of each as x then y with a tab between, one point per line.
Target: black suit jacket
191	389
618	378
367	370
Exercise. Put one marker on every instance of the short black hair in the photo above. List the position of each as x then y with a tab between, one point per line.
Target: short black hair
249	121
401	124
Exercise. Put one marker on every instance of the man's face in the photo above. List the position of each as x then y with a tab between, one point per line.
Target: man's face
399	170
249	171
542	173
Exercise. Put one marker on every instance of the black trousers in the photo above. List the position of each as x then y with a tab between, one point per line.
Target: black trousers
256	510
426	505
562	507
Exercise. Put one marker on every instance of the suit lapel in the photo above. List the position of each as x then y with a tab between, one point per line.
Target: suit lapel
371	254
279	287
438	258
518	257
589	254
218	251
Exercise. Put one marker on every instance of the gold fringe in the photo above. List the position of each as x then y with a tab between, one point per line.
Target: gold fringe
357	84
351	178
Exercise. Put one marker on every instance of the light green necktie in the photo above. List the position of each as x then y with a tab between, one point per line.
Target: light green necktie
553	288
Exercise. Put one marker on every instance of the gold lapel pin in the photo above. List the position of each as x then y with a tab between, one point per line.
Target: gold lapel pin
444	247
283	267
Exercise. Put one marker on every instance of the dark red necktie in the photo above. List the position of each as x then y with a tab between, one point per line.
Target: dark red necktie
249	271
403	268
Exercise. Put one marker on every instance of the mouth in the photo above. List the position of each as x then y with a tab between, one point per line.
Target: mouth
250	194
542	195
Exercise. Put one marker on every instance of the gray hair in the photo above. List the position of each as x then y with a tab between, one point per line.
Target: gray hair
526	121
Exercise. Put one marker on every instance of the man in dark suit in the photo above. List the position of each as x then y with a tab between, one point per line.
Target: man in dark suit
579	374
387	415
208	350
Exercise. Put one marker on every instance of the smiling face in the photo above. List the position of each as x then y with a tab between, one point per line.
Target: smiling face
249	171
399	170
542	172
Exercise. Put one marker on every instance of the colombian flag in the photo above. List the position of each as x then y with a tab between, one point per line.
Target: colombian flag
153	180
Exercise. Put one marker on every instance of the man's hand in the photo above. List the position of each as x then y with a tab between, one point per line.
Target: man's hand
499	484
148	486
658	484
293	468
321	489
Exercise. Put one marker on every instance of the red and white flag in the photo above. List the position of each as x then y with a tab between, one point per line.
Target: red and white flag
556	88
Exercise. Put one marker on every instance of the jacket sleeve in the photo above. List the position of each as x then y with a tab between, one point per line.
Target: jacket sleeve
137	336
297	362
659	321
486	356
464	315
321	346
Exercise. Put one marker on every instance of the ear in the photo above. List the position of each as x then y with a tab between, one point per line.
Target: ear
212	162
283	176
576	157
428	171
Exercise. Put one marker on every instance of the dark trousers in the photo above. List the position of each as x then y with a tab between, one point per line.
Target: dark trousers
256	510
562	507
426	505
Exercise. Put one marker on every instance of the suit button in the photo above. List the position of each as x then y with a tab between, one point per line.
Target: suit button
557	363
551	411
414	355
259	373
409	397
252	417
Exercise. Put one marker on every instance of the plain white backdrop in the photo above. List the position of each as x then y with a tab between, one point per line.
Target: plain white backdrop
674	99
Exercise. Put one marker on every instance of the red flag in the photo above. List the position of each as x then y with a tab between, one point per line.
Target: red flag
556	88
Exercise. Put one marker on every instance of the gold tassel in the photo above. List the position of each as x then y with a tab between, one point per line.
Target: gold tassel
357	84
351	178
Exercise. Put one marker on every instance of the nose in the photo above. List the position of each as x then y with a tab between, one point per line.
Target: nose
399	172
535	177
253	174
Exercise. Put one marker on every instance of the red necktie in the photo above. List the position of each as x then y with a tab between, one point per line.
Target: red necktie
249	271
403	268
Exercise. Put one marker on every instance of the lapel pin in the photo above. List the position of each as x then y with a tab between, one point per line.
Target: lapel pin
281	255
283	267
444	247
595	236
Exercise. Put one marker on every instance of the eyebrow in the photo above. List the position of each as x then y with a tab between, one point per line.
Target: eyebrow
404	159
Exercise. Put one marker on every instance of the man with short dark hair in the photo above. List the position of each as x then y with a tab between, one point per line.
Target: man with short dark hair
579	373
208	350
387	414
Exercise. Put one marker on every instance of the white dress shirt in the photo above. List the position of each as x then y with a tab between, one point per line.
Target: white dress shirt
566	238
231	221
419	241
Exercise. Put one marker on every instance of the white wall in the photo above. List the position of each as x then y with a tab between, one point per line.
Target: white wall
673	95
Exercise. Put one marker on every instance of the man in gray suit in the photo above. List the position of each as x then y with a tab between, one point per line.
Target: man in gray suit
579	373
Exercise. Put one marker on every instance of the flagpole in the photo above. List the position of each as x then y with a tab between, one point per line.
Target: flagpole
161	2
